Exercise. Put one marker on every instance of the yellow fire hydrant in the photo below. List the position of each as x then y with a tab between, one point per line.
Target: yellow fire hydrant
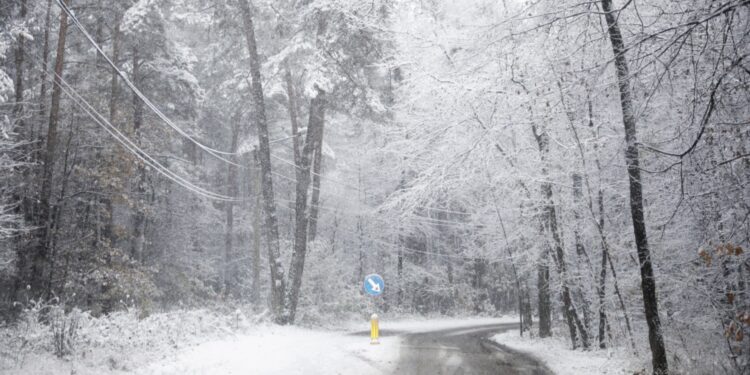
374	331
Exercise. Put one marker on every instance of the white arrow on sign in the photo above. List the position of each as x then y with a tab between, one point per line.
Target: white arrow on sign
375	286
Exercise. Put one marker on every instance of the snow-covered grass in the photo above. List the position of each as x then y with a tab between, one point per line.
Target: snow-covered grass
555	352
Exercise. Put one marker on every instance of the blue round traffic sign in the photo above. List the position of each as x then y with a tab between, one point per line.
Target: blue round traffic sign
374	285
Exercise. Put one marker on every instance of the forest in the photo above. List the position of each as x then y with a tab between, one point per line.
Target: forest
580	165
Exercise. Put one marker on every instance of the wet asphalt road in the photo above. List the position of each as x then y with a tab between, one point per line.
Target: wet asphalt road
464	351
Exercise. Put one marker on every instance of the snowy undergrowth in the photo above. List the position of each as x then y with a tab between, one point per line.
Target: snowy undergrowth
116	343
556	354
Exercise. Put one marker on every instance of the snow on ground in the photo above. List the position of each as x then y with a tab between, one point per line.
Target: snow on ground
113	344
272	349
205	342
555	352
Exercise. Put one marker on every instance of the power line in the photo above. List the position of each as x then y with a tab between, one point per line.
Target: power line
288	162
405	248
291	163
133	148
161	169
408	224
150	161
216	153
402	247
445	210
417	218
126	142
428	220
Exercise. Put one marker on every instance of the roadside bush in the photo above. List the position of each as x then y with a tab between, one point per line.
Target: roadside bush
47	335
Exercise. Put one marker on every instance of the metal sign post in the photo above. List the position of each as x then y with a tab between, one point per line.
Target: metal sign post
374	286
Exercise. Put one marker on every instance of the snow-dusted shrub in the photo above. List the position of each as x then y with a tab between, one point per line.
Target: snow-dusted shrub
27	335
64	327
328	295
119	341
719	315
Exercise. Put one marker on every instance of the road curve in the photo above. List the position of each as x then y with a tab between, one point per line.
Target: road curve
464	351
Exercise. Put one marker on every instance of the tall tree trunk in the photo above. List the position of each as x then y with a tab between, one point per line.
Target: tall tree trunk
271	227
139	216
581	252
521	292
400	276
257	208
360	229
527	311
400	256
99	29
26	134
114	90
620	299
312	139
317	169
606	257
293	116
544	307
225	274
550	224
292	108
317	162
20	55
602	289
45	61
571	315
57	213
648	284
40	256
114	93
361	250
